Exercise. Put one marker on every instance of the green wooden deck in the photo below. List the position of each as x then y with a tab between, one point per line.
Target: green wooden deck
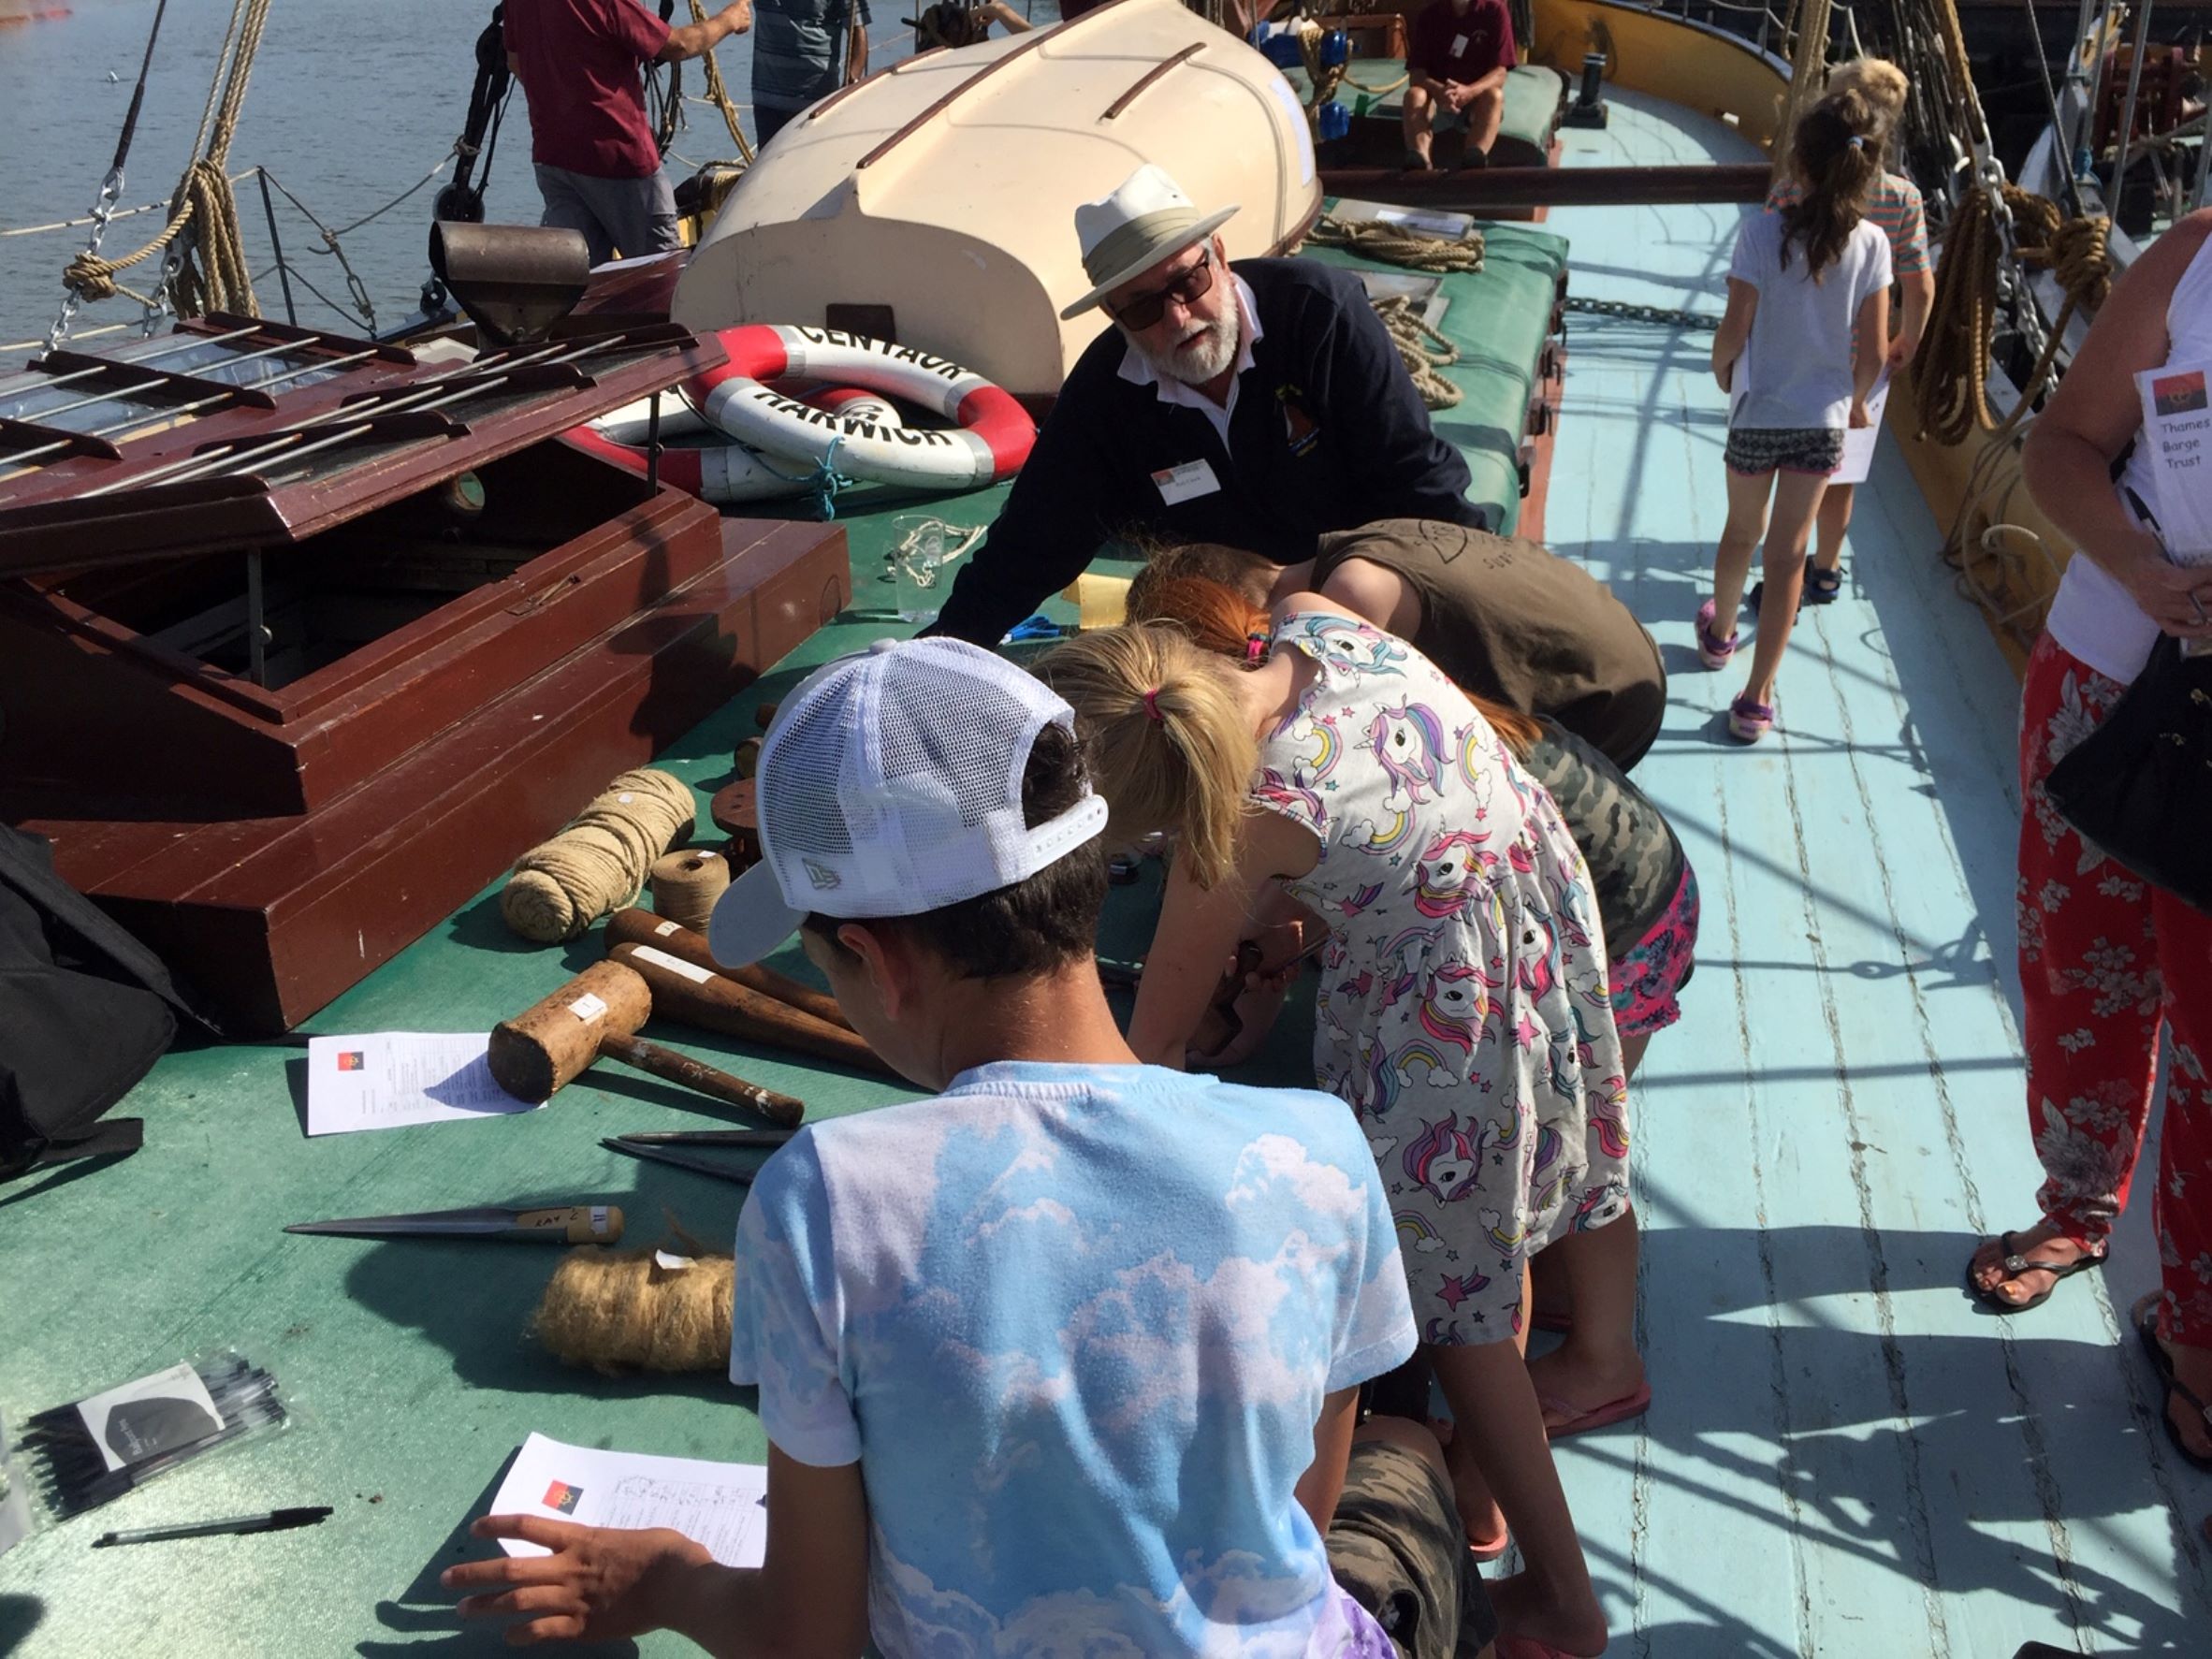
1843	1459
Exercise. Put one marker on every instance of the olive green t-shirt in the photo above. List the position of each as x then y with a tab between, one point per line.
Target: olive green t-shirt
1510	622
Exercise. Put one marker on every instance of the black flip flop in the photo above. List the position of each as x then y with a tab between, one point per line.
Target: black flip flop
2015	1265
1822	586
2146	1329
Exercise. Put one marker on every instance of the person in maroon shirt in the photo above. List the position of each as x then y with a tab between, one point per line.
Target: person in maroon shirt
598	166
1456	66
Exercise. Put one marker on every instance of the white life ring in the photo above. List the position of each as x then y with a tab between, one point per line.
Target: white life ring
991	441
725	473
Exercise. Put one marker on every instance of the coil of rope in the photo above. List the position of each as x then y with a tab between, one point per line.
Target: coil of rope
1951	368
203	217
1422	350
1395	244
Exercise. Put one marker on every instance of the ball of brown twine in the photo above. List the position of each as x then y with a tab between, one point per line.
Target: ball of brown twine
598	863
686	884
639	1310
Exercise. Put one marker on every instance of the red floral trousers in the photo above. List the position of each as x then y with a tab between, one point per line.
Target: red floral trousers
2106	961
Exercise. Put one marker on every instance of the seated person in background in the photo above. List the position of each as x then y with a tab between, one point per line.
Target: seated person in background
952	23
1508	620
1455	63
1258	404
1067	1357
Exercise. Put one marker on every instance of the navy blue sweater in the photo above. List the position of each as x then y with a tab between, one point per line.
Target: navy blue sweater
1328	433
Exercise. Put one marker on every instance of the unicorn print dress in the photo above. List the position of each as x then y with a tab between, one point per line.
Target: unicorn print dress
1464	1009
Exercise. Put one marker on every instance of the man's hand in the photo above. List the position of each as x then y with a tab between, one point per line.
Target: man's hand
598	1585
738	15
1457	95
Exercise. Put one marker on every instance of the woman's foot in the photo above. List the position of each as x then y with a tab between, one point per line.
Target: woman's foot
1749	720
1712	650
2019	1271
2187	1371
1530	1610
1578	1390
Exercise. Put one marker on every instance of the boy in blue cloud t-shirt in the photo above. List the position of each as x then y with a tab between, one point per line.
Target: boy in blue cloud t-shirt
1066	1359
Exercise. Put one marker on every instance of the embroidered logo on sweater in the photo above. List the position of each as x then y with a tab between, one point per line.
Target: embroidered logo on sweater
1300	429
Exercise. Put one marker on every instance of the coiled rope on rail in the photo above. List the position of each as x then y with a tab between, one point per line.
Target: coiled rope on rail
1951	368
1327	79
203	206
1396	244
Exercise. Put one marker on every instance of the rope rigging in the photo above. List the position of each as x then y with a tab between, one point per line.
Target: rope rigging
462	201
112	185
203	256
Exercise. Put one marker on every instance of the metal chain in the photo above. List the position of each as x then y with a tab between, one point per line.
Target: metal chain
1643	314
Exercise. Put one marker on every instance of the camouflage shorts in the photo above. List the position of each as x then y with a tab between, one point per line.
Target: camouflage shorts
1396	1546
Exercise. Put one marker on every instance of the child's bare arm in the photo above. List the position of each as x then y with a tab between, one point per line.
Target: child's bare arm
602	1583
1322	1483
1869	348
1728	341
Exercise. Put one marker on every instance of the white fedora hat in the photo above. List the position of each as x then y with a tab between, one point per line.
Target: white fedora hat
1148	219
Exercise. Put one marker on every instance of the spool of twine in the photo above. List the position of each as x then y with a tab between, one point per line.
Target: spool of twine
639	1310
598	863
686	884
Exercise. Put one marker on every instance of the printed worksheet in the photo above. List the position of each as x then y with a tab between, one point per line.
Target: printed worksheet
393	1079
722	1506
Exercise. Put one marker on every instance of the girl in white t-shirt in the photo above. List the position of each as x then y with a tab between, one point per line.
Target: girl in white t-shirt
1798	352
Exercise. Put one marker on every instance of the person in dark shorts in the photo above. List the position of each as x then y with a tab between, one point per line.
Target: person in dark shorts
1508	621
1455	63
1396	1546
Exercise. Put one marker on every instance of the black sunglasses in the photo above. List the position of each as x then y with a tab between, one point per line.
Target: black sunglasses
1147	308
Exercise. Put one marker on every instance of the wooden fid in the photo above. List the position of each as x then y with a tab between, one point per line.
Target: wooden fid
639	927
599	1013
699	996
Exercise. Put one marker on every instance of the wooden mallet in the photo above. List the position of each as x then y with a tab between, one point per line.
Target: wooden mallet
599	1013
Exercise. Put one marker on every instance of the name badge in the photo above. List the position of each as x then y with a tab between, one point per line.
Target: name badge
1459	46
1186	482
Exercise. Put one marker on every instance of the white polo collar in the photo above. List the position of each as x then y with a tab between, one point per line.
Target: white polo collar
1137	369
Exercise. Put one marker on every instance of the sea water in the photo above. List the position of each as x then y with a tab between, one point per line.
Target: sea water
349	104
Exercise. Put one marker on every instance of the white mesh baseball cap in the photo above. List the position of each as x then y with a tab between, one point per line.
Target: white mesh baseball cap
891	784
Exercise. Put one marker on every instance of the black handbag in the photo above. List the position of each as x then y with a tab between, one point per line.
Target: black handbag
2139	787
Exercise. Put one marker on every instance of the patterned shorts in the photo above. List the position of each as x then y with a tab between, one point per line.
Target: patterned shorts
1754	450
1396	1546
1647	977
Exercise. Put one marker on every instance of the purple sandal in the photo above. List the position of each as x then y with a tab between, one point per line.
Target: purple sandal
1749	721
1712	650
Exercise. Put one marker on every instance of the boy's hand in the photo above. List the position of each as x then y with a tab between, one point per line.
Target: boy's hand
1860	419
598	1585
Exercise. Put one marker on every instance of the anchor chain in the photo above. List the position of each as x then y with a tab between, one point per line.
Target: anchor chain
1708	321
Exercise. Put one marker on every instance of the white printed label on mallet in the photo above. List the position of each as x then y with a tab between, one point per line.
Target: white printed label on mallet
666	928
698	976
587	1008
675	1264
599	1218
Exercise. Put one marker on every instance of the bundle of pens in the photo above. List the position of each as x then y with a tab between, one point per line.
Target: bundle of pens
91	1451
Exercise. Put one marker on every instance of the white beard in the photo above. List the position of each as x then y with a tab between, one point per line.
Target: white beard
1196	361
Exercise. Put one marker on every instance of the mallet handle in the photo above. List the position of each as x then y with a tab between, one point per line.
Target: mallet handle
637	927
695	997
680	1068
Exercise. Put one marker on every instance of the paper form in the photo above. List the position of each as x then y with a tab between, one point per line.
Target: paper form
723	1506
393	1079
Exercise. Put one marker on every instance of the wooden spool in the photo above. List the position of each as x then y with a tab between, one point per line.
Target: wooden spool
736	811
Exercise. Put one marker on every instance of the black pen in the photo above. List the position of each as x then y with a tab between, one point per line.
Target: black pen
276	1520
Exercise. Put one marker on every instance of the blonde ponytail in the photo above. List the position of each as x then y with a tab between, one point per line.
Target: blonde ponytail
1169	744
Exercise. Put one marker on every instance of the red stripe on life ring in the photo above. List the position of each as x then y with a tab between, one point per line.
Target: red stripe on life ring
756	351
993	416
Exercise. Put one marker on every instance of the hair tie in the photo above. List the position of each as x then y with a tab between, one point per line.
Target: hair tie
1858	140
1255	649
1152	711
